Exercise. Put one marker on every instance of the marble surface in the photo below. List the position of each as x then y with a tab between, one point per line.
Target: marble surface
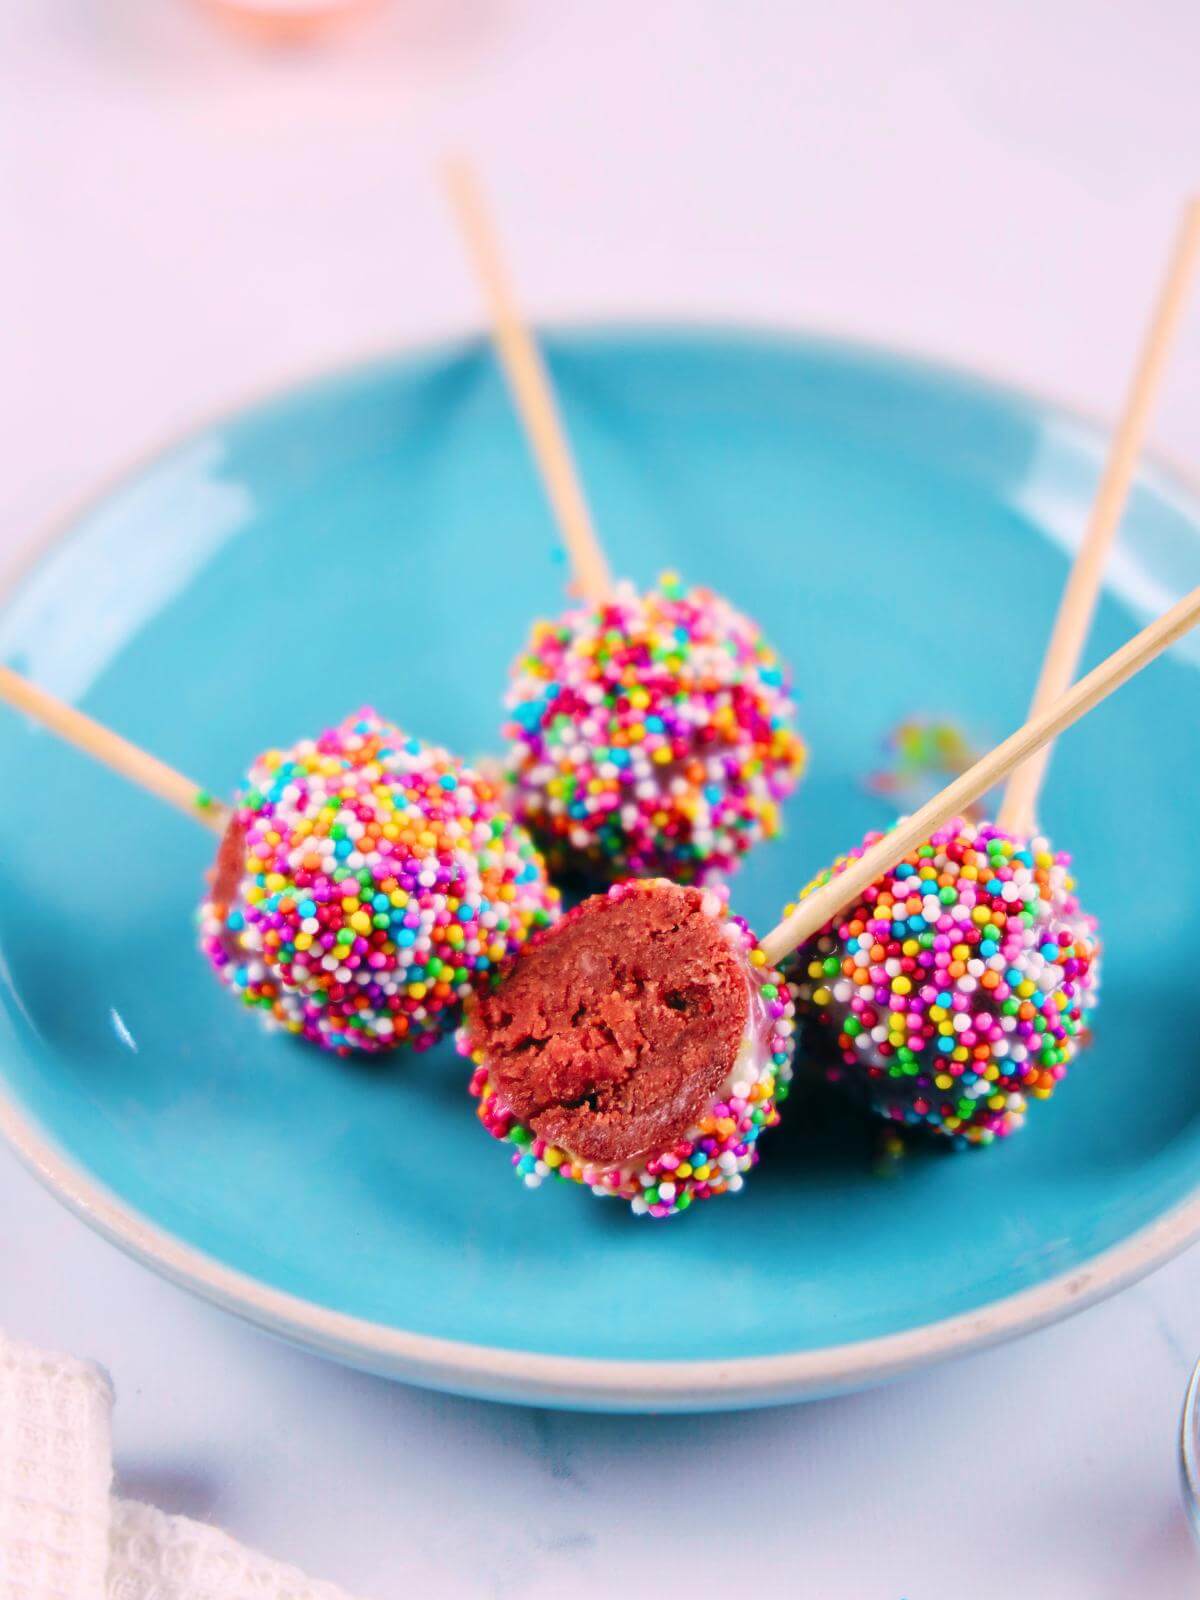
189	221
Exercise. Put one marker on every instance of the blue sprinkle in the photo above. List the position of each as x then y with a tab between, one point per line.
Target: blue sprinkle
529	713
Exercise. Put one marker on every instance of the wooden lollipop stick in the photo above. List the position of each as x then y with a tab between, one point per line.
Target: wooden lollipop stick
530	385
104	745
1019	805
820	907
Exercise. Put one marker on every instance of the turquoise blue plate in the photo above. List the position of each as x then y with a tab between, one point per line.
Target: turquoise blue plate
379	536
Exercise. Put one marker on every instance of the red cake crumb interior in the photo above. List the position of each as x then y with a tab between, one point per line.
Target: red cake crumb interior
227	871
612	1032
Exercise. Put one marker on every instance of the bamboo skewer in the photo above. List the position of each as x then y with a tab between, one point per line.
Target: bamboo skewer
530	384
1071	626
103	745
823	905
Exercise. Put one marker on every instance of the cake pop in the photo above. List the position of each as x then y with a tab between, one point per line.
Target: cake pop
957	988
363	882
640	1048
366	880
650	733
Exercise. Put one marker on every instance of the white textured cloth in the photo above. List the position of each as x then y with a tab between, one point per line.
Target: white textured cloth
63	1536
55	1471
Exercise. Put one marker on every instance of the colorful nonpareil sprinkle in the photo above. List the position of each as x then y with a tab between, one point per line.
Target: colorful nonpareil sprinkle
652	735
710	1155
365	883
924	753
958	989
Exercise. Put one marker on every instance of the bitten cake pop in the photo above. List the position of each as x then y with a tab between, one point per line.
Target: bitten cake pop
366	880
956	988
651	734
640	1047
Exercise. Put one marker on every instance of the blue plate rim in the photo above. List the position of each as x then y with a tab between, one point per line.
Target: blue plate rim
531	1376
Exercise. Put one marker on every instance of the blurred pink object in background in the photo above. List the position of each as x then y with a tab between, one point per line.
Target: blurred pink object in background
287	19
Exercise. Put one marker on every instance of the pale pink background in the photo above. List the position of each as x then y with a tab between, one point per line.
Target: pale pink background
187	220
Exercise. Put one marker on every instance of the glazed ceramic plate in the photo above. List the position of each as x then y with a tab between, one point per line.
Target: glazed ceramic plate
901	532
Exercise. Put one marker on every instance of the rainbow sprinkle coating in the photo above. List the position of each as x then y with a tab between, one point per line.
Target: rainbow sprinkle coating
652	735
959	987
712	1156
377	879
